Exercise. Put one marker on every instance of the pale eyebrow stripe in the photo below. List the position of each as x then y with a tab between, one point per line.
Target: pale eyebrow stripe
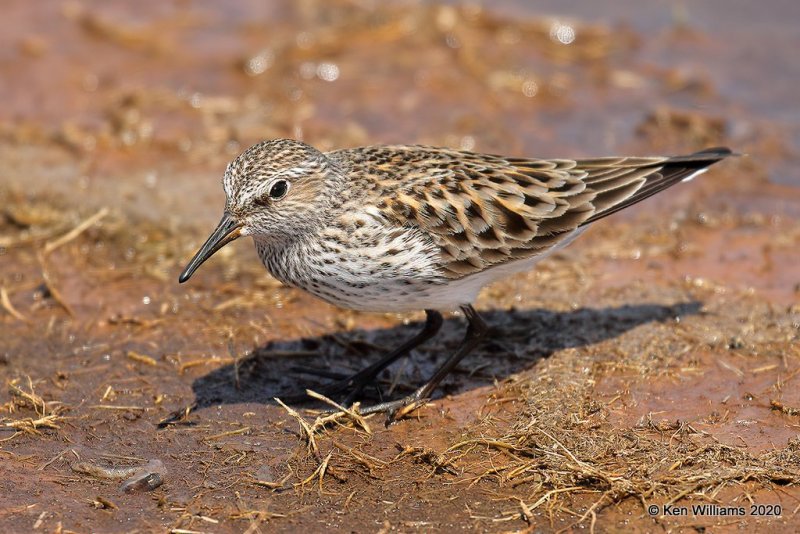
294	172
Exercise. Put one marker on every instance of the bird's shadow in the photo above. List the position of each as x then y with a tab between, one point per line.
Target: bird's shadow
518	340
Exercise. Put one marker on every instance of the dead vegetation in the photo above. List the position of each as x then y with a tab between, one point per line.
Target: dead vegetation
48	414
563	445
564	442
652	363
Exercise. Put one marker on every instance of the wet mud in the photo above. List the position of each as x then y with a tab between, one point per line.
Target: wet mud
653	362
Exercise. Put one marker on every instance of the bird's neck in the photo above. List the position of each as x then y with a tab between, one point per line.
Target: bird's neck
281	257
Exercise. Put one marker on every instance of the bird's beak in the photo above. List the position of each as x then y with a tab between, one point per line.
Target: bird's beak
227	230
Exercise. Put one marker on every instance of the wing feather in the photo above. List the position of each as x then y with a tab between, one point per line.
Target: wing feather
483	210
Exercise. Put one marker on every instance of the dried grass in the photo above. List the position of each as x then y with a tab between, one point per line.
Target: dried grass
48	413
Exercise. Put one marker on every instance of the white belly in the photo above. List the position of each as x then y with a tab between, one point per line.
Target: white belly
394	272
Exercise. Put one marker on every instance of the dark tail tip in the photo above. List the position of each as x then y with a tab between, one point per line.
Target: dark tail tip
717	152
703	158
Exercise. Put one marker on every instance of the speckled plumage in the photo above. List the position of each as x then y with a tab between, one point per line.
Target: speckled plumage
400	228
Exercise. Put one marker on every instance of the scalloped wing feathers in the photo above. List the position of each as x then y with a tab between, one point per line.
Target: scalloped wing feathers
483	210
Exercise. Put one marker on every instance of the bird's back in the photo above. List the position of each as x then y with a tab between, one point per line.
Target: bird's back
481	211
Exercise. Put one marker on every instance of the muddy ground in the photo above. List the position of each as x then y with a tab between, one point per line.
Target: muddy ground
654	362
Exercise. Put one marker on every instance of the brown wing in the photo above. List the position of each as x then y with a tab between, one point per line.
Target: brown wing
484	210
661	176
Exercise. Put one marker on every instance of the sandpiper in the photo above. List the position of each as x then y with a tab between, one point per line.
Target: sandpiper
402	228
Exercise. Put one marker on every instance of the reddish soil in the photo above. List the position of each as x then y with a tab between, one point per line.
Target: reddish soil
653	362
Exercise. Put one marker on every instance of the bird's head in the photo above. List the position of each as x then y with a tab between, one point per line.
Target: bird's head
275	191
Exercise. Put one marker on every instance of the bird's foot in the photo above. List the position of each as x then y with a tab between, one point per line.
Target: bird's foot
354	385
398	409
347	389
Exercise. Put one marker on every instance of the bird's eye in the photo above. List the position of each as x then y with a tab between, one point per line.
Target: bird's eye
279	189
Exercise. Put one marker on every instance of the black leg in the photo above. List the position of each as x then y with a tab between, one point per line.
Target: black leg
354	384
476	331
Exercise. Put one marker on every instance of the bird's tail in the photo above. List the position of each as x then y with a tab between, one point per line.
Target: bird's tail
670	172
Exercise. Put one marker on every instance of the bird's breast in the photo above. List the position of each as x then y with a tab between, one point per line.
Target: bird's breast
365	266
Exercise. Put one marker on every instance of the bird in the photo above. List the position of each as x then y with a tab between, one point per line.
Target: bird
400	228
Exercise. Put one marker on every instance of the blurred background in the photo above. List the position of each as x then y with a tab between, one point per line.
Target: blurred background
148	99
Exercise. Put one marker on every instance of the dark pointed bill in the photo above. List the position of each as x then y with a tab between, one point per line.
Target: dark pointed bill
227	230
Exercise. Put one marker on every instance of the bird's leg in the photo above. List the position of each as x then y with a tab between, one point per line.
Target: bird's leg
476	331
355	384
